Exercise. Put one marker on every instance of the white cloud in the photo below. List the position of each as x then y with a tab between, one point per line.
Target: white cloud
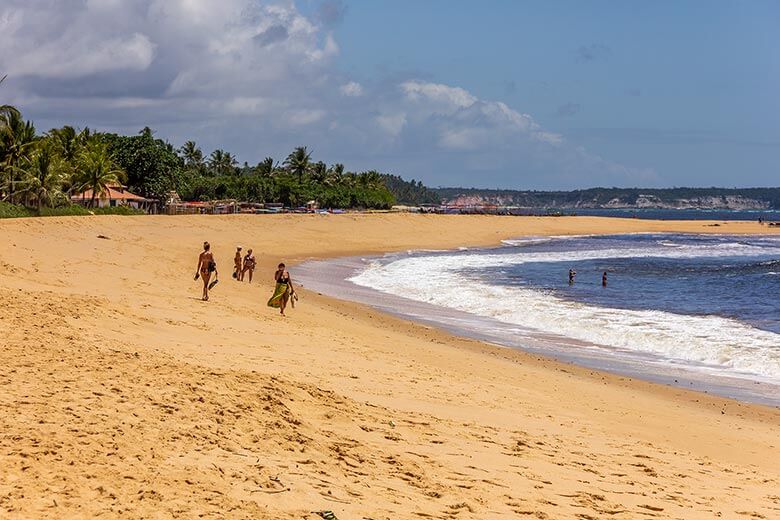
304	117
464	138
252	105
467	122
393	124
351	89
548	137
63	48
133	102
259	77
445	97
84	56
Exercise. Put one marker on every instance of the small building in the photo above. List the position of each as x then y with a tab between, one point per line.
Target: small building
116	195
189	208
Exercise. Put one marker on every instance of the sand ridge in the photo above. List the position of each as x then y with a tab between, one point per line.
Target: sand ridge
123	392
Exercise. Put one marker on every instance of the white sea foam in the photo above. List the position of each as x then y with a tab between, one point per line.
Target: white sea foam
713	341
531	241
535	240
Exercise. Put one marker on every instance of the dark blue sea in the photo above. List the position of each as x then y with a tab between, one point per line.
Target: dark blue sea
709	303
699	275
677	214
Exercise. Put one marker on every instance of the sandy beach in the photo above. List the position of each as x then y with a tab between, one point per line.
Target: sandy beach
124	394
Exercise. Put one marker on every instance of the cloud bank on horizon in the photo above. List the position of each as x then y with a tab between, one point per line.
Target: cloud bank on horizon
258	78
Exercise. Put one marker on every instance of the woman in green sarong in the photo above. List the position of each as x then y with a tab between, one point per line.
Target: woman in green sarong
284	289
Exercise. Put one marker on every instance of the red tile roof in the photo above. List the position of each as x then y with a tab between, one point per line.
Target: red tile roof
112	193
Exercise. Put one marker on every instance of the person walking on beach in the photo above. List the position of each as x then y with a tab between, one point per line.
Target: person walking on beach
237	264
572	273
604	279
249	265
283	291
206	266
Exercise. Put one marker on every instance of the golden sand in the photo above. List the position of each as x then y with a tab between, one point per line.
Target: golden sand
122	392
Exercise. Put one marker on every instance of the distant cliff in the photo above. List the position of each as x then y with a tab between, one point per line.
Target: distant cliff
620	198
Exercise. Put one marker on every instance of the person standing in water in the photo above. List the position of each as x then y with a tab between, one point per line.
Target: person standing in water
604	279
284	289
206	266
572	273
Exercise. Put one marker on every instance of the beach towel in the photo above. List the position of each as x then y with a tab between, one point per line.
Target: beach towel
276	299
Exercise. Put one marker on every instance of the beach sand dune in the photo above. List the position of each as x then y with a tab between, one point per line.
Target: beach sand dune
123	394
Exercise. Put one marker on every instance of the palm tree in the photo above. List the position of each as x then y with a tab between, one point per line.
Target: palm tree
43	172
192	155
67	142
266	167
222	162
319	172
335	175
98	169
231	164
349	179
299	162
370	179
17	137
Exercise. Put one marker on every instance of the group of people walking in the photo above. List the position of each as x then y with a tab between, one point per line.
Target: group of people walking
241	267
284	292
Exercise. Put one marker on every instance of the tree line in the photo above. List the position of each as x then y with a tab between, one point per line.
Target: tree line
46	170
41	171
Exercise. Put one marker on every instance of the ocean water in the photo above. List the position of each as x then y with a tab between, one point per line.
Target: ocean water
770	215
700	304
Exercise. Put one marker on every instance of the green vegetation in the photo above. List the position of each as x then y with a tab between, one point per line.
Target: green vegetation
40	173
411	193
8	210
152	166
13	211
294	183
43	171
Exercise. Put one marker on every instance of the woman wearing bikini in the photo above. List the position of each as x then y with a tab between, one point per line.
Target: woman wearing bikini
206	266
249	265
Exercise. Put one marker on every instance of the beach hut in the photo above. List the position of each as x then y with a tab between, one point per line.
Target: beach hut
116	195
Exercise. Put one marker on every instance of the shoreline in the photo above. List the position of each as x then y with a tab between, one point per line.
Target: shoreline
125	392
330	278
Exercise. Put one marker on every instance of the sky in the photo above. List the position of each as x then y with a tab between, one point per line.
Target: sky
495	94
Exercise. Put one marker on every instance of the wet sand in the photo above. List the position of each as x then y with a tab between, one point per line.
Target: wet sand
123	392
331	277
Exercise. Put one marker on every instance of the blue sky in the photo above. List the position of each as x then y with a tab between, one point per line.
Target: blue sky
509	94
